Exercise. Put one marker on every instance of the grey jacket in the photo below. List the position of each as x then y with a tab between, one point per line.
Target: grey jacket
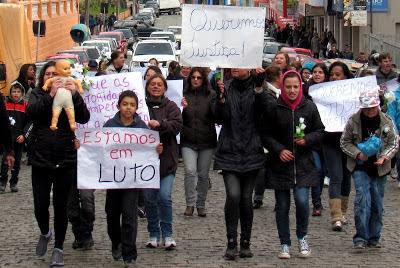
381	78
111	69
352	135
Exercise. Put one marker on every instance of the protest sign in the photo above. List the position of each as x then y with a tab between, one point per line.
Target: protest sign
338	100
102	97
175	91
390	86
118	158
222	36
143	70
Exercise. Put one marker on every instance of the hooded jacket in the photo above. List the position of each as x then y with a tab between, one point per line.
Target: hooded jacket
116	122
239	146
279	122
111	69
382	78
20	124
169	116
53	149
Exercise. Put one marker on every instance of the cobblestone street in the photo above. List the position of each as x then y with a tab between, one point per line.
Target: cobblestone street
200	241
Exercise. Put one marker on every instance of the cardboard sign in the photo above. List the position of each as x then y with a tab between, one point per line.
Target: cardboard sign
118	158
338	100
222	36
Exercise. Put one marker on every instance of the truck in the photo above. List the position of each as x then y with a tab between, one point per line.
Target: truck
169	6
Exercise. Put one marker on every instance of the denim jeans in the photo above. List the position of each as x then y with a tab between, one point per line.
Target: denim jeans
238	204
321	170
368	206
339	175
81	209
18	148
196	161
282	199
159	208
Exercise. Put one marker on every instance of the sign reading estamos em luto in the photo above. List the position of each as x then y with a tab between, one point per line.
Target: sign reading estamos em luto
222	36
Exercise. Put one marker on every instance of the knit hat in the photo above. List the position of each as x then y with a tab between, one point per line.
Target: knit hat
309	65
369	99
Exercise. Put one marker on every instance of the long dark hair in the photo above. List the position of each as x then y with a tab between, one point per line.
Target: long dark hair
345	68
43	71
205	86
175	69
22	72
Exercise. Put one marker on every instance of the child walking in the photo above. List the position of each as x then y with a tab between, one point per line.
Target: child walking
291	163
20	126
124	201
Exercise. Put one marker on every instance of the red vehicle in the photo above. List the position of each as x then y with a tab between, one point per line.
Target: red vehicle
120	37
81	53
301	53
75	58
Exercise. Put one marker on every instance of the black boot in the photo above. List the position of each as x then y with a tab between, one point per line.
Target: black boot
87	242
77	244
245	251
231	250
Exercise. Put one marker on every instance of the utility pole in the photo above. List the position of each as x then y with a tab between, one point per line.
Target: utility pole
118	6
87	13
371	5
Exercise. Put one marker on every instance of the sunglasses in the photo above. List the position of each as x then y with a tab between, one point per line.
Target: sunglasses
197	77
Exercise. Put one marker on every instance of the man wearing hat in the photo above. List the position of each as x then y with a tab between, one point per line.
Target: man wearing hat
347	53
369	173
93	66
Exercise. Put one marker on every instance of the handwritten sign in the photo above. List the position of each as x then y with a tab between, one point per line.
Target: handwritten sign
222	36
390	86
118	158
102	98
338	100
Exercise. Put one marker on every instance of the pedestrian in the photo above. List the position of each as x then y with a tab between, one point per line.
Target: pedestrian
198	139
282	60
320	74
92	24
315	45
124	202
290	161
117	63
306	72
239	159
20	127
324	44
361	58
151	70
53	159
347	53
335	159
174	71
369	171
111	20
27	78
166	118
333	53
6	143
385	71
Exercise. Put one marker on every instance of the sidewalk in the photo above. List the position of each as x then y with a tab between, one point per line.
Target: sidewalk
200	241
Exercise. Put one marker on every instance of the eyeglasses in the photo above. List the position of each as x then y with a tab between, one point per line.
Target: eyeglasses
197	77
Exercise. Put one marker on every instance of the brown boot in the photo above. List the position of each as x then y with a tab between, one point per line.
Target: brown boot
201	212
344	206
71	119
189	211
336	214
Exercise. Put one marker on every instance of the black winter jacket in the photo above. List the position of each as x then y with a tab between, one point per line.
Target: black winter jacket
279	123
6	143
198	121
239	146
53	149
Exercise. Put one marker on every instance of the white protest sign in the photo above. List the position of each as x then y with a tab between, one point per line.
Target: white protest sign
143	70
118	158
175	92
390	86
338	100
102	98
222	36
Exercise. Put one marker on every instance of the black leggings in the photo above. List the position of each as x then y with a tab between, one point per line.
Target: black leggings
61	179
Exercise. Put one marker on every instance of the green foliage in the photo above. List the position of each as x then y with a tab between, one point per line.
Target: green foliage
94	8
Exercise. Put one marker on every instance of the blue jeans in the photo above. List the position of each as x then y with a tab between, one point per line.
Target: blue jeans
238	204
196	161
321	169
159	208
339	175
282	199
368	207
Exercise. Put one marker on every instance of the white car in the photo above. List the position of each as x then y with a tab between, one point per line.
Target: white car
161	49
104	46
177	30
169	35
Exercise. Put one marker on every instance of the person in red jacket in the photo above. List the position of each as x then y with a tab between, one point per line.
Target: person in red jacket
15	106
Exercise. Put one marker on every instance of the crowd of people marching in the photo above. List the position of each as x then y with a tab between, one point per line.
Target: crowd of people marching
258	148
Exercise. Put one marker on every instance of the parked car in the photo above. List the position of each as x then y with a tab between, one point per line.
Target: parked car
144	29
112	41
92	51
145	17
154	5
169	35
161	49
104	46
149	9
73	57
119	37
301	53
130	39
81	53
269	51
177	30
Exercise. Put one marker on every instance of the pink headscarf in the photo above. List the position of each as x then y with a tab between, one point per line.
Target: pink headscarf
292	104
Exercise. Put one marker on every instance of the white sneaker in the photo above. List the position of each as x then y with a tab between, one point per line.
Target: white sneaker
153	242
337	226
285	252
326	181
169	243
304	249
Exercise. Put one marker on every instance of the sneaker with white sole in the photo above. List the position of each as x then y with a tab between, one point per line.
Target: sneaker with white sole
304	249
337	226
169	243
326	181
285	252
43	244
153	242
57	259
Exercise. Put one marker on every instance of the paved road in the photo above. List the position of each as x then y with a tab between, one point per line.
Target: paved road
201	241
